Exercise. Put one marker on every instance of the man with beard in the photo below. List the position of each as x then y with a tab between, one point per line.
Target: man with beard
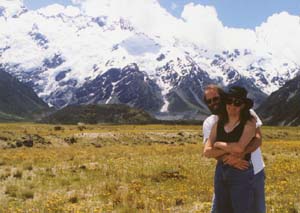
214	98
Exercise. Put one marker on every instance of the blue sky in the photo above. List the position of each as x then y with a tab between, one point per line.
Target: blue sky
232	13
35	4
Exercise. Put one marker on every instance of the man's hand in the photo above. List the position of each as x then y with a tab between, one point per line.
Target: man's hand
236	162
238	155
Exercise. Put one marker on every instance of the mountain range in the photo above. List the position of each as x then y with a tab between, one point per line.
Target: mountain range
74	55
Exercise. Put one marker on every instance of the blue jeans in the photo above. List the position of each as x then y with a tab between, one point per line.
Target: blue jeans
234	189
213	205
259	194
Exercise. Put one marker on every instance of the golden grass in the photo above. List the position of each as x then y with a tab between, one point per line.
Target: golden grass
123	168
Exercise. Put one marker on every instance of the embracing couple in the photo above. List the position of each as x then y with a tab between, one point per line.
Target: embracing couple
232	136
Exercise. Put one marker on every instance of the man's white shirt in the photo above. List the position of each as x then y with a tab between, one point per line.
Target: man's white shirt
256	156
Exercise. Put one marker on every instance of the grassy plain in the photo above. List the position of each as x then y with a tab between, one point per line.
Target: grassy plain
129	168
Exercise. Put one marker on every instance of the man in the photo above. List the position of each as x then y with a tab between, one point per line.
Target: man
214	99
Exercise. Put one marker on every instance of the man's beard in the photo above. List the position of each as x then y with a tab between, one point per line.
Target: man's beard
215	110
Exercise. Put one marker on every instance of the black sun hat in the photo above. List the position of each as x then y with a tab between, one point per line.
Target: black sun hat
239	93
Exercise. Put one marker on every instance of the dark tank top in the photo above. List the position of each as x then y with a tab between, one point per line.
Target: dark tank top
232	136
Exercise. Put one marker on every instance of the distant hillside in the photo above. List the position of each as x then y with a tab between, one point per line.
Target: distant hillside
93	114
17	100
283	106
10	118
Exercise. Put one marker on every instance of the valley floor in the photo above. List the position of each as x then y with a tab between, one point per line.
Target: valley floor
129	168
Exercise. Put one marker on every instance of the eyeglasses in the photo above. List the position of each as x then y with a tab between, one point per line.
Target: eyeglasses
234	101
215	99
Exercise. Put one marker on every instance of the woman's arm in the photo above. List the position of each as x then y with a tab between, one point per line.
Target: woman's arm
209	150
239	147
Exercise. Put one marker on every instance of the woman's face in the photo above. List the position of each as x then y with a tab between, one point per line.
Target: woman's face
234	105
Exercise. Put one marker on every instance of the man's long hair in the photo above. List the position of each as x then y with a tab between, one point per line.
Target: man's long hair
222	106
216	88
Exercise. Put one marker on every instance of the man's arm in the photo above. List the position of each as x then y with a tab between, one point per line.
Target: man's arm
239	147
210	151
236	160
255	142
252	146
219	154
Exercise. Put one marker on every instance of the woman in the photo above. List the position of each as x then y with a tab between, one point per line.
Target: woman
232	133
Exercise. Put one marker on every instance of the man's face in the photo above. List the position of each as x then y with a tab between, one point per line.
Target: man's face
213	101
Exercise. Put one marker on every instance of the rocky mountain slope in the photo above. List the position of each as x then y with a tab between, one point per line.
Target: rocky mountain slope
282	107
18	101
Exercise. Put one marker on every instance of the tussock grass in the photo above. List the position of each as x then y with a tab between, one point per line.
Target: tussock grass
137	168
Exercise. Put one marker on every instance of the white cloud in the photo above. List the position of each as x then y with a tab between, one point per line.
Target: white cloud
198	24
146	15
56	9
201	24
83	43
11	7
280	35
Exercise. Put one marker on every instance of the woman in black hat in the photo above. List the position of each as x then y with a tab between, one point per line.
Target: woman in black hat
232	133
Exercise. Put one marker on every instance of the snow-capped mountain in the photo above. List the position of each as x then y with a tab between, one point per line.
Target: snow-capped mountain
91	53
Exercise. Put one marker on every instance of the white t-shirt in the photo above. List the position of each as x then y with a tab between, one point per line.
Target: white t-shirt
256	156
